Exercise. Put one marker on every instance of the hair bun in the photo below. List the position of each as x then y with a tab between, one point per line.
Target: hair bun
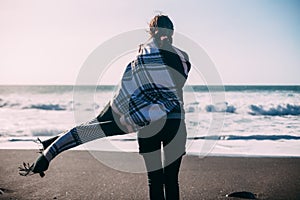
161	29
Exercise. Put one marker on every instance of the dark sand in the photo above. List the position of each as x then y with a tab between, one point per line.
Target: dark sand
78	175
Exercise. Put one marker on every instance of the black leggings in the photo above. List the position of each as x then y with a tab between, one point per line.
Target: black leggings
163	183
163	172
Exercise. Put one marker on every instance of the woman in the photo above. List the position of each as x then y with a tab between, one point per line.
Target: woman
150	102
163	173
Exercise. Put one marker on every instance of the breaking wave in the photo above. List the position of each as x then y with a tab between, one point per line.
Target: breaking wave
221	107
47	107
249	137
279	110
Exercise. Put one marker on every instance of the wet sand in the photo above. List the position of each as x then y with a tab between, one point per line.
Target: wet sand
78	175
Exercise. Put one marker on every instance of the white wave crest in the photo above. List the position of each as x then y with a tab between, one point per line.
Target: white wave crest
279	110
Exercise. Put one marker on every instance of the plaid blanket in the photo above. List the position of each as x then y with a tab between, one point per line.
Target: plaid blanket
146	92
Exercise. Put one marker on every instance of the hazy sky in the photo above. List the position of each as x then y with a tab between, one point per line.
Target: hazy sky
250	41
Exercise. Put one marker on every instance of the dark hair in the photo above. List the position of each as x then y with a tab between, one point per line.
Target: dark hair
161	29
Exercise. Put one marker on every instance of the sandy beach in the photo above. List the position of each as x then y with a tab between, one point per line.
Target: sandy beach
78	175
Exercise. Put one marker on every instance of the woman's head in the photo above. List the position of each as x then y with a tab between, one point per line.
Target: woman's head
161	29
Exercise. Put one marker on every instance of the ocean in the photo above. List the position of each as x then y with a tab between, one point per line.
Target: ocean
251	120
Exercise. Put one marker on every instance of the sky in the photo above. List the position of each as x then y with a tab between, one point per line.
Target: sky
255	42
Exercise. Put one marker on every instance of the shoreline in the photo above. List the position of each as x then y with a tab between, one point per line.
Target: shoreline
219	148
78	175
